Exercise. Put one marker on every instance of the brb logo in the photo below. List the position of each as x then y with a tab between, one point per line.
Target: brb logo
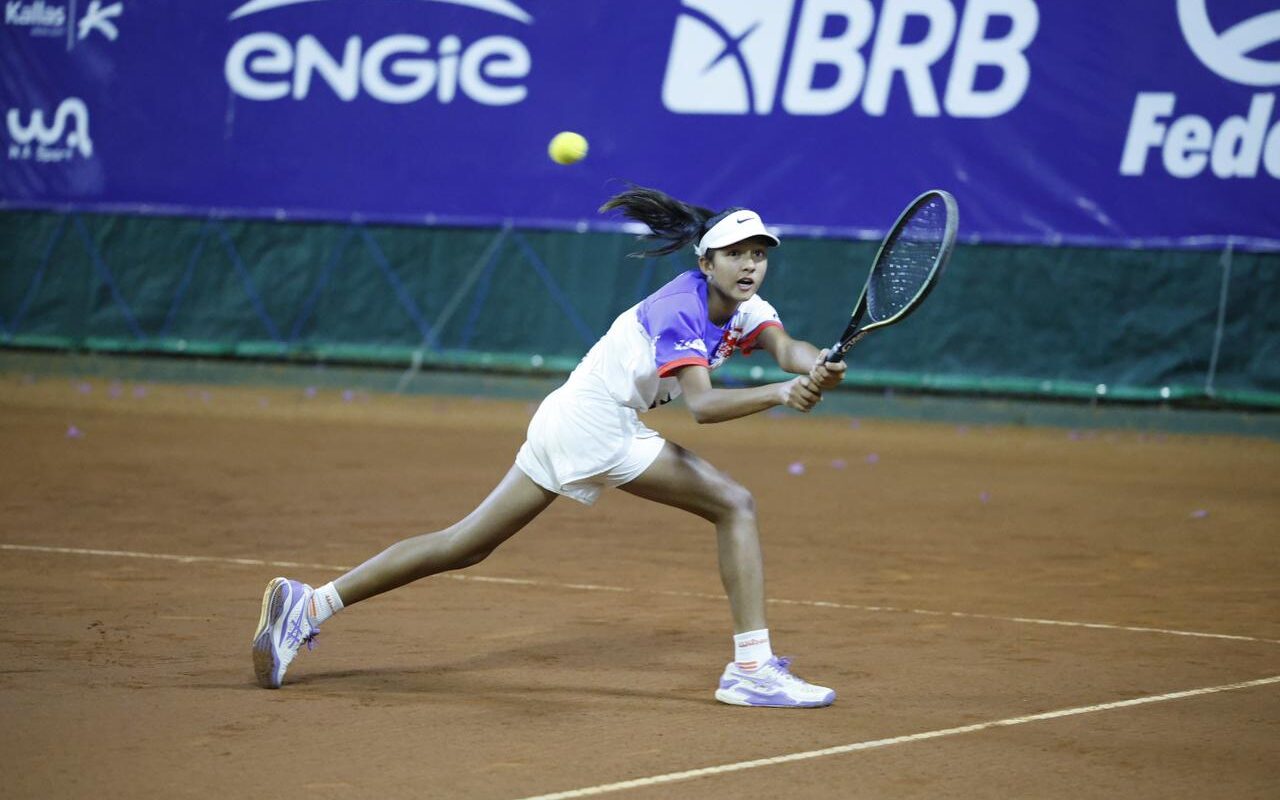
400	68
1191	143
67	135
750	56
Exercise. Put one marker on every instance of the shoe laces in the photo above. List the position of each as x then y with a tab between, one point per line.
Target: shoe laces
781	669
296	636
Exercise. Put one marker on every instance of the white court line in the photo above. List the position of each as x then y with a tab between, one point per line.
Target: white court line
252	562
592	587
672	777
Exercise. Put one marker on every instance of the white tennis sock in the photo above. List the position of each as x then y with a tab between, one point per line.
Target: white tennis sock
325	603
751	649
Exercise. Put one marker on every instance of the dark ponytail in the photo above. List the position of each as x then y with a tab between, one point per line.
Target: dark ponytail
669	220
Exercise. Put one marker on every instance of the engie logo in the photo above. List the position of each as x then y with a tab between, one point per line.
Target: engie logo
60	140
742	57
400	68
1189	144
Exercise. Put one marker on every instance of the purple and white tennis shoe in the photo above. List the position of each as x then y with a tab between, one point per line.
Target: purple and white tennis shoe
771	686
283	627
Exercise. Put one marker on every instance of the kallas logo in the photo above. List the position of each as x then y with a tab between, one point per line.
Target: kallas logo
50	19
1188	145
38	15
400	68
98	17
754	56
60	140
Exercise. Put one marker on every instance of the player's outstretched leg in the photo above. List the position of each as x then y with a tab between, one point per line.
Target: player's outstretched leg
283	626
772	686
292	612
680	478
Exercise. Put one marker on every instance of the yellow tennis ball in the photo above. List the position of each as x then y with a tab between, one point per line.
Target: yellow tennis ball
567	147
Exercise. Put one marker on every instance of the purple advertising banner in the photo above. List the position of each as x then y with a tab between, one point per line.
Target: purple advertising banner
1151	123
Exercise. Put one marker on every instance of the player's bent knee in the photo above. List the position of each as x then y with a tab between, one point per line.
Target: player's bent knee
736	500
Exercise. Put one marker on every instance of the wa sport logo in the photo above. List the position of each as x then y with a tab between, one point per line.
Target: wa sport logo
61	139
822	57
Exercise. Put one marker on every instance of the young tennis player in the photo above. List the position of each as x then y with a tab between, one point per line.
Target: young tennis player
587	435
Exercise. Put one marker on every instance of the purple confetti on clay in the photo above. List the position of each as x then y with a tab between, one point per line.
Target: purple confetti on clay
962	429
855	423
1199	513
985	497
839	463
310	391
84	388
263	402
139	391
873	458
115	390
74	433
796	468
348	396
1074	436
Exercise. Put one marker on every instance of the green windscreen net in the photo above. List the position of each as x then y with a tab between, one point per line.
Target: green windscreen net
1138	325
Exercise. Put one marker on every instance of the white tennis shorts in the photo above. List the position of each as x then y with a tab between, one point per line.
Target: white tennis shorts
582	441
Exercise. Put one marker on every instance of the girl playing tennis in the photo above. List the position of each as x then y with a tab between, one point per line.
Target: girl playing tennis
587	435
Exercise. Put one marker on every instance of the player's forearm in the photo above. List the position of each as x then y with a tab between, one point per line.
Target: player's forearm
721	405
798	358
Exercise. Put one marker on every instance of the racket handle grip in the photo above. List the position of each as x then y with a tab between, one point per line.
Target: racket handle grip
836	354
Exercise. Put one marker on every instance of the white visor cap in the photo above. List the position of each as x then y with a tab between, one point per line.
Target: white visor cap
736	226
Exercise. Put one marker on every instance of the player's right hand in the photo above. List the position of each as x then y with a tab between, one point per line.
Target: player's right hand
827	376
800	394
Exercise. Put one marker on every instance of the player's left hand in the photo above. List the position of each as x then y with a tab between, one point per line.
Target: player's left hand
824	375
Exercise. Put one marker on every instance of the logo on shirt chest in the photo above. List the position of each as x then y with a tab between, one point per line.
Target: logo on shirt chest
726	346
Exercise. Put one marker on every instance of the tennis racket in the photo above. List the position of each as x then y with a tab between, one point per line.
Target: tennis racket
907	266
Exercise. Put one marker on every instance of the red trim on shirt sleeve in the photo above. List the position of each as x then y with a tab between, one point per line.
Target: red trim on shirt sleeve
748	343
671	366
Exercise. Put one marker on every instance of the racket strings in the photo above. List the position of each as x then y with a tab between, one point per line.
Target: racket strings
907	262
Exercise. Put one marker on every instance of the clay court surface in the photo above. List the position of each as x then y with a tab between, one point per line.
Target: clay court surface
1112	600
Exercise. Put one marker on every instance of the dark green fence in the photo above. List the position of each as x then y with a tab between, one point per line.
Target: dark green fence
1056	322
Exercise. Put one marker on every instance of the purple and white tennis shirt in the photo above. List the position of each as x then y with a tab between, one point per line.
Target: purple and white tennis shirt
636	361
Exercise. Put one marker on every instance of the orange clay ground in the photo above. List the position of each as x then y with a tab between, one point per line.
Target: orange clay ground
919	569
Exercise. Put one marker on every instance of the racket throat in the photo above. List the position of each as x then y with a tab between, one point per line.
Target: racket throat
840	348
